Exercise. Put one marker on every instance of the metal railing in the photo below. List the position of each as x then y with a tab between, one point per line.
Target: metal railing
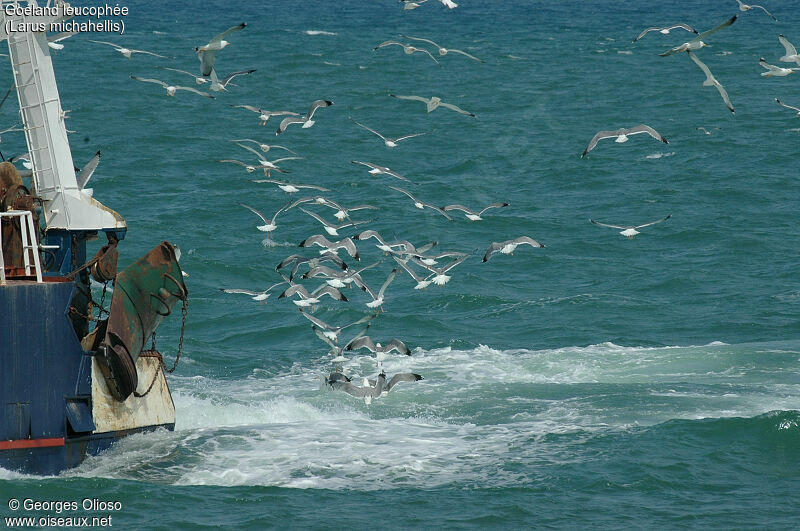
30	247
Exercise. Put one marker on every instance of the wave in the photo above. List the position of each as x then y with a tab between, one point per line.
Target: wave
318	32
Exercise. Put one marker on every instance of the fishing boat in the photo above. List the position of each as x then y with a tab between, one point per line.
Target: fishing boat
74	376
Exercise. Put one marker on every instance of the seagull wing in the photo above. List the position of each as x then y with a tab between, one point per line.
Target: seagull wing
653	222
388	43
527	240
462	52
242	291
367	234
407	269
420	39
207	59
370	129
724	25
318	322
790	51
462	208
395	174
148	53
299	288
190	89
493	248
317	217
398	139
61	36
388	281
493	205
248	107
765	11
623	227
399	346
187	73
429	54
414	98
455	108
324	337
710	80
317	239
599	136
148	80
251	150
401	377
218	39
88	170
286	122
316	105
361	342
367	164
232	75
257	213
646	129
352	390
787	106
401	190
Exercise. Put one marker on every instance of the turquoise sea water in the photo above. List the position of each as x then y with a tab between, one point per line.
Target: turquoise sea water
600	382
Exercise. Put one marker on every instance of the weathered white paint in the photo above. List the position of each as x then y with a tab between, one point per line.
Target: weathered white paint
152	410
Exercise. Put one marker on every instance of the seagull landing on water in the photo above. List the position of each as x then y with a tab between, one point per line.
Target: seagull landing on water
664	30
433	103
795	109
264	115
791	55
444	51
269	224
207	53
407	48
777	71
711	81
305	120
697	42
629	231
509	246
745	7
127	52
389	142
171	89
622	135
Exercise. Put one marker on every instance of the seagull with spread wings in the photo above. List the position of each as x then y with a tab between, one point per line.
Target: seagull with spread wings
433	103
208	52
629	231
389	142
621	135
711	81
442	50
127	52
171	89
664	30
697	42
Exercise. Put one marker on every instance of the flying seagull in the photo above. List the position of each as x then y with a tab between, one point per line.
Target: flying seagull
219	86
509	246
745	7
269	224
341	214
336	351
664	30
264	114
127	52
339	279
420	205
791	55
443	50
54	41
367	343
305	120
307	299
407	48
207	53
313	261
264	147
171	89
328	246
390	142
777	71
377	170
331	228
622	135
255	295
438	276
697	42
712	81
330	331
200	80
290	188
87	171
433	103
377	301
796	109
471	214
422	283
629	231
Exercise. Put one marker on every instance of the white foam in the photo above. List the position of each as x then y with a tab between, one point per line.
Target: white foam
318	32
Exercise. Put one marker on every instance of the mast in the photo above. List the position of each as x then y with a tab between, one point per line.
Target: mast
65	205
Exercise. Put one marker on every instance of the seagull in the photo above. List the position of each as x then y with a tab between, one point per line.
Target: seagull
629	231
305	120
377	170
266	164
745	7
472	215
796	109
409	4
308	299
328	246
712	81
255	295
704	130
773	70
264	147
341	212
207	53
332	332
330	228
313	261
127	52
443	50
376	348
339	279
422	283
379	300
791	52
382	245
666	29
375	388
269	225
249	167
697	42
433	103
420	205
219	86
439	278
264	115
171	89
390	142
200	80
289	187
449	4
622	135
407	48
336	351
54	40
509	246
